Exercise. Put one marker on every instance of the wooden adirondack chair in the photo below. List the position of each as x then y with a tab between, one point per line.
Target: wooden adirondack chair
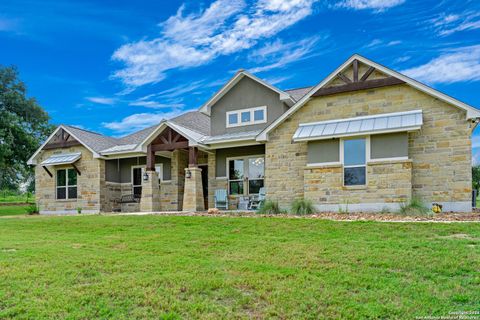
221	199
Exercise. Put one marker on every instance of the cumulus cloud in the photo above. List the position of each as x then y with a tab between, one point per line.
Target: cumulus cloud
455	65
189	40
377	5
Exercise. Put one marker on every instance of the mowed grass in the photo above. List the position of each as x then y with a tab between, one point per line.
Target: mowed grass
137	267
13	210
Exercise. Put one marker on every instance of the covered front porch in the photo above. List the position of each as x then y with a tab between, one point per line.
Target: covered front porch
171	176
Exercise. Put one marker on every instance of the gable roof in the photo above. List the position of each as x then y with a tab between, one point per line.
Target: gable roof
284	96
90	140
472	112
298	93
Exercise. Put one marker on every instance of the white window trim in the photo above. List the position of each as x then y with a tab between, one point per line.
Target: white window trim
245	173
252	120
388	159
367	159
143	167
66	184
330	163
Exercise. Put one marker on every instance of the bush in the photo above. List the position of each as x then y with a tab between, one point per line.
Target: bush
414	207
33	209
269	207
79	210
302	207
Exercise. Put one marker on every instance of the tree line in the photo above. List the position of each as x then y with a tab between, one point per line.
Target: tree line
24	125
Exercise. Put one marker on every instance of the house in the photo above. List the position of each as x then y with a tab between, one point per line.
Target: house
365	137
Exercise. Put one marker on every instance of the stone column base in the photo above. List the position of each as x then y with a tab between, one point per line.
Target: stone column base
150	201
193	194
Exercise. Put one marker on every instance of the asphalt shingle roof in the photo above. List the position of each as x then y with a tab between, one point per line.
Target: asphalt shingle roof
298	93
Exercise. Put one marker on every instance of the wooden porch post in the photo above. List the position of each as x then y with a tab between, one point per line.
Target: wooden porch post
150	158
192	157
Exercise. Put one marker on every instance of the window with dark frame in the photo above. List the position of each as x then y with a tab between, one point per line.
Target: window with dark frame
66	184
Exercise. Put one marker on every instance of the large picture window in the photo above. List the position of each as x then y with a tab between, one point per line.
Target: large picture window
354	162
66	184
246	175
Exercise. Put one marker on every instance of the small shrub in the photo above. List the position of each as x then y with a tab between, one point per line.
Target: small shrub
414	207
270	207
302	207
33	209
385	210
79	210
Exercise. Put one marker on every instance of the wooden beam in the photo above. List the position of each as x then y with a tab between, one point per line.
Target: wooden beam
49	173
76	169
367	74
344	78
355	86
170	147
169	135
150	158
58	145
164	140
192	156
175	139
355	70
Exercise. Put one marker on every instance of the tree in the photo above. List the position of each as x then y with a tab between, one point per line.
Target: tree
23	126
476	177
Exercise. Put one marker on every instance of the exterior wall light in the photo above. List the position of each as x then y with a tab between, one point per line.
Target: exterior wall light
188	174
145	176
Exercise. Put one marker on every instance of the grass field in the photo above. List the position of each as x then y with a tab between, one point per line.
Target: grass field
13	210
128	267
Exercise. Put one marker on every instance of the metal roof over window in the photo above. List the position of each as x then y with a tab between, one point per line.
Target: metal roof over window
58	159
381	123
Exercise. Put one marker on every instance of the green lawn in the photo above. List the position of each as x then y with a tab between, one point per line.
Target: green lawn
128	267
13	210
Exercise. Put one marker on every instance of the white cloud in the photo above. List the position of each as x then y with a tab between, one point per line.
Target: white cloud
139	121
378	42
456	65
446	25
377	5
284	53
196	39
102	100
155	104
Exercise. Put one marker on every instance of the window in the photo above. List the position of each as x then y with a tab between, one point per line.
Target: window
235	176
323	152
233	119
245	117
246	172
354	162
137	177
256	171
66	184
159	170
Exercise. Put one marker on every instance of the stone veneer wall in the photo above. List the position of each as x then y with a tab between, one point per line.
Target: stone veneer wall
440	151
90	184
389	183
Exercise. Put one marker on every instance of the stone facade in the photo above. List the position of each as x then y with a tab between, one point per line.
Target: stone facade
193	195
440	153
389	183
91	185
150	201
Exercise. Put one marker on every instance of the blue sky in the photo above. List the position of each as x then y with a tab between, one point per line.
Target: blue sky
118	66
